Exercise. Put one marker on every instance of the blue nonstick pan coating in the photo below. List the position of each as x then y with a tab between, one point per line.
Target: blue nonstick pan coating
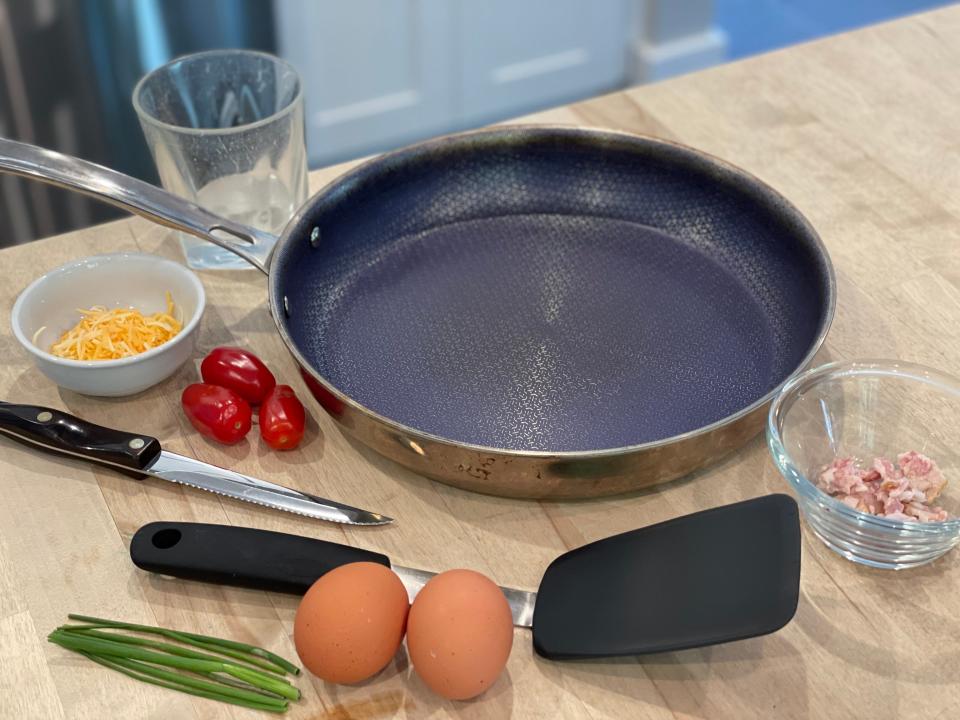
553	294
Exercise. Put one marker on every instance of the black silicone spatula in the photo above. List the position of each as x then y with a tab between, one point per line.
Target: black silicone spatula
724	574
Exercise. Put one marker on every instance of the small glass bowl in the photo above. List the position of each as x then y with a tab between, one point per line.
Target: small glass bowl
866	409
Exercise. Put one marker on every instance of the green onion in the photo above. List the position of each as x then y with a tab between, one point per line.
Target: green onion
83	643
252	677
89	631
193	639
156	676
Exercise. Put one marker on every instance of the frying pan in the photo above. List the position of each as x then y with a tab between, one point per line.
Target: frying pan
529	311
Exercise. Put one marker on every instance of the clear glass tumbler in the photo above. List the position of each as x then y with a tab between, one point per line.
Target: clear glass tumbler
225	128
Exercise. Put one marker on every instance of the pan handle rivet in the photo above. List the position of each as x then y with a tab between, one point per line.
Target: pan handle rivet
315	237
286	306
136	443
45	416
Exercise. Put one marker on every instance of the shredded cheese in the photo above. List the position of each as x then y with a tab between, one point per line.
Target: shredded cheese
105	334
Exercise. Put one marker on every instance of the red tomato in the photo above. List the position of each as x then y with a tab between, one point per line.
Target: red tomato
282	419
240	371
216	412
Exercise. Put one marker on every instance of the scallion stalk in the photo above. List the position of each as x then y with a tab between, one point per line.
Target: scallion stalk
98	646
155	676
90	631
228	671
192	638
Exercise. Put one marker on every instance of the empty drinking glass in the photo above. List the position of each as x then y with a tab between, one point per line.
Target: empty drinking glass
225	128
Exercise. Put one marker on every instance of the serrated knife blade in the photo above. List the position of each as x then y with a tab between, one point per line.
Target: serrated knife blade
187	471
60	432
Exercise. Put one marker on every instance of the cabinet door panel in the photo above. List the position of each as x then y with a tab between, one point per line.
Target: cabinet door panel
519	56
376	73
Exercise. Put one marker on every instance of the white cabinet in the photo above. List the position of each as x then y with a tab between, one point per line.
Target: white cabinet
518	56
376	73
383	73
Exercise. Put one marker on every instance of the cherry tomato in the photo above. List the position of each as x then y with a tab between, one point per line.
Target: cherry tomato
240	371
282	419
216	412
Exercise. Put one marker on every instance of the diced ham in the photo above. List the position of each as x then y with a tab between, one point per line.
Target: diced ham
898	491
871	475
923	473
869	502
885	469
891	505
926	514
902	490
851	500
843	475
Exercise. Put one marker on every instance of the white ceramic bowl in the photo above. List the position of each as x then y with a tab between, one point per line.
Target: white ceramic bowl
117	280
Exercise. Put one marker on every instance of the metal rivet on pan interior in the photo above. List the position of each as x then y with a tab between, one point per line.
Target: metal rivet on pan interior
315	237
45	416
286	306
136	443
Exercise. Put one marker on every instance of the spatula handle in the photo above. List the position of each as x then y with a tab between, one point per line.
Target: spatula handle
240	556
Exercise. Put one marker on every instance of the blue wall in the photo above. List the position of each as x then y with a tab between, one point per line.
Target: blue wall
755	26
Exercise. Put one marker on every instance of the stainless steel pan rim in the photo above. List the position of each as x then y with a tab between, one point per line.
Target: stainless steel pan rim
511	472
412	433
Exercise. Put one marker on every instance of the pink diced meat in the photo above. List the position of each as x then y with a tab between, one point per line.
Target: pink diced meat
898	491
924	513
851	500
885	469
843	476
923	473
892	505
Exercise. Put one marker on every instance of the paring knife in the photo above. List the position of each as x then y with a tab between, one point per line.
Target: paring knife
140	455
719	575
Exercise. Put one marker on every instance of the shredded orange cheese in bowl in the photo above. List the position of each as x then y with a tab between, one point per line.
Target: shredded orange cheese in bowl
104	334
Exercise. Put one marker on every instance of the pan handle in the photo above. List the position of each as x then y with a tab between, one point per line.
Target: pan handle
138	197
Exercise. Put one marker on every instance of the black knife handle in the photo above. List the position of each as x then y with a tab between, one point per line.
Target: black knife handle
240	556
61	432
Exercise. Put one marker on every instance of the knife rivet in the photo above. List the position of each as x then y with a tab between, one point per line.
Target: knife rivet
45	416
137	443
315	237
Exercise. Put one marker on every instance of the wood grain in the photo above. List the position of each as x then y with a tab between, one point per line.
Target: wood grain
860	131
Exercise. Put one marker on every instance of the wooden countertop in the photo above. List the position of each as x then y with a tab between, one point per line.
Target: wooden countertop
861	131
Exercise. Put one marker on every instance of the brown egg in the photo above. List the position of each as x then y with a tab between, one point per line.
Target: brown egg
459	634
351	621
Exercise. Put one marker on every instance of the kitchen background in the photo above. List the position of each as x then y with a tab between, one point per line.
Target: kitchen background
377	73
